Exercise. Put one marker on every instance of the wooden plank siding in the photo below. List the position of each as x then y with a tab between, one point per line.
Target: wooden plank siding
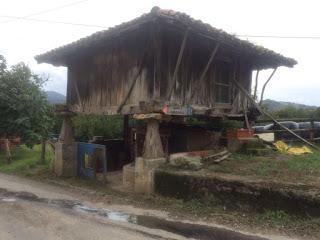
104	76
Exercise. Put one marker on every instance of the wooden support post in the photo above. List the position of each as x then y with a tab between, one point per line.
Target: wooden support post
246	116
152	143
104	166
256	86
205	70
43	150
157	49
265	84
271	117
183	44
312	130
126	133
7	150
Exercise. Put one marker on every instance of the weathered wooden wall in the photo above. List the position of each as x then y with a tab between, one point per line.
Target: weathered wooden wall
99	82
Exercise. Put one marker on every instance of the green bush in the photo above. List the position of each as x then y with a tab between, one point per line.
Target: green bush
88	126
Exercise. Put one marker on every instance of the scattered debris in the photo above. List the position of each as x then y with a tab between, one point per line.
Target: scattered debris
197	160
187	162
217	157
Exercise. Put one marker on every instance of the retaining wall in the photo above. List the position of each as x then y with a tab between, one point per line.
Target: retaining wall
239	193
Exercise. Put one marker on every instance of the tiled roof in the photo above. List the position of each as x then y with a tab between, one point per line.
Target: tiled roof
265	58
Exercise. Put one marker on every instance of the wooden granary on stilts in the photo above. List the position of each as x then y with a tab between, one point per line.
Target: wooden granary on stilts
159	67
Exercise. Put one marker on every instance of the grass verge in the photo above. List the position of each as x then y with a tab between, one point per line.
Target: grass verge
276	166
25	161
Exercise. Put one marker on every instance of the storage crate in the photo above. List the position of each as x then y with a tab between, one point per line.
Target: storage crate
239	133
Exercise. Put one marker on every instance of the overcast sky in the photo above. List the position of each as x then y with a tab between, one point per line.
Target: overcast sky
21	40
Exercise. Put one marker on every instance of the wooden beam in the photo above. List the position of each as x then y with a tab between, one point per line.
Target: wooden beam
182	47
75	85
124	101
271	117
157	46
205	70
246	116
265	84
256	85
126	133
214	52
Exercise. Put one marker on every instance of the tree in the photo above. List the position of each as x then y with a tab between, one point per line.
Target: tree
24	109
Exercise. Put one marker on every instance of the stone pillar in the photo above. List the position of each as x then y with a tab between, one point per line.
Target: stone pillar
66	134
153	155
152	143
65	163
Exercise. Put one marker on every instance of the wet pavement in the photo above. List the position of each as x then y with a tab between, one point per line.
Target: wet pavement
183	229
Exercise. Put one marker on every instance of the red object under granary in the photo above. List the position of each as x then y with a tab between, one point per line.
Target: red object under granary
239	133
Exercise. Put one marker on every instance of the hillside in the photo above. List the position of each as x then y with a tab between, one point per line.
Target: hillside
272	105
55	97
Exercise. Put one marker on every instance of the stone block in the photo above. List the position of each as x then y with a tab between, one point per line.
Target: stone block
128	177
144	174
65	162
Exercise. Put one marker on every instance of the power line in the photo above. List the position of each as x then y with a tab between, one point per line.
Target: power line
51	21
104	27
46	11
278	36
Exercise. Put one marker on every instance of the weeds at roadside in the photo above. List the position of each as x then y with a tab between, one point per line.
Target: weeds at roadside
25	161
275	166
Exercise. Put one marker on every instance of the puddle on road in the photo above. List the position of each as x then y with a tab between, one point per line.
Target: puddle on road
8	199
112	215
188	230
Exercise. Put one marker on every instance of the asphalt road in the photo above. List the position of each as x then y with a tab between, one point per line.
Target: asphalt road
34	210
31	210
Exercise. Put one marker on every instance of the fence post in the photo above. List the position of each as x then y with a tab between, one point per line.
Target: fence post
312	130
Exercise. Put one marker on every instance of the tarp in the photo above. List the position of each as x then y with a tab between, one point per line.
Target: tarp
283	147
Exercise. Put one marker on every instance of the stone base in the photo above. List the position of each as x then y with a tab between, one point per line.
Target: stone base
65	162
140	176
128	176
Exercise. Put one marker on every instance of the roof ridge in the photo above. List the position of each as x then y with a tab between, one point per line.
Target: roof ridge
205	29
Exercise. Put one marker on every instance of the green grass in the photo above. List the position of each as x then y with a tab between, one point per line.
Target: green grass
275	166
25	161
